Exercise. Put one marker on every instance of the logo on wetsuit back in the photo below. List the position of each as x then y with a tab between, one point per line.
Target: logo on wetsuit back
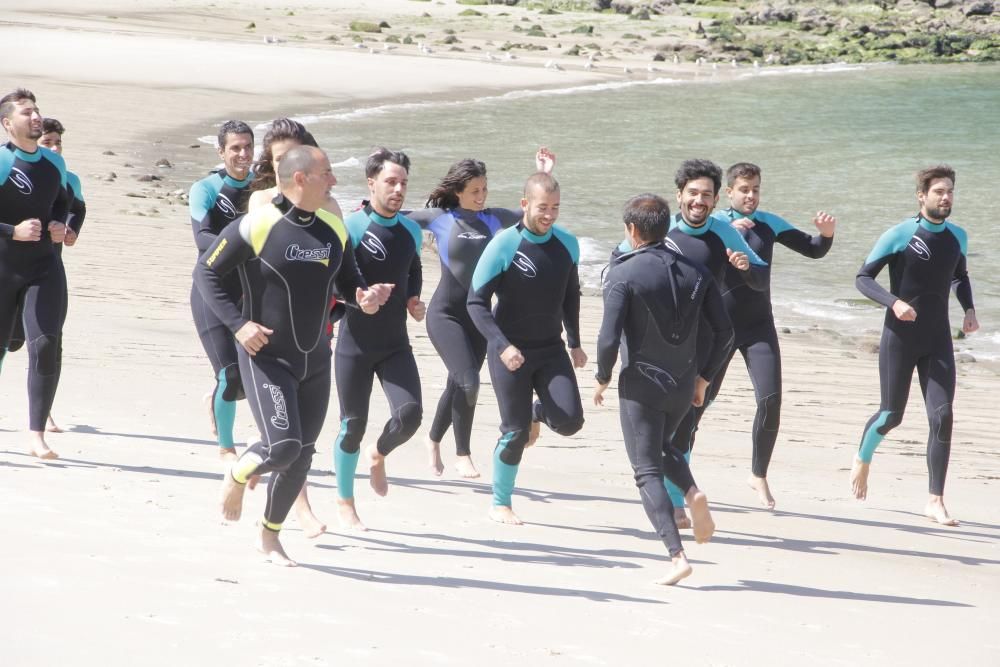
671	244
295	253
919	246
656	375
472	236
697	286
280	418
226	206
524	263
373	244
21	181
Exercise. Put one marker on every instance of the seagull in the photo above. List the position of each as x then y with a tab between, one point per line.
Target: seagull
387	46
676	59
733	63
271	39
492	58
650	68
359	45
626	70
426	50
552	64
371	50
699	62
756	64
588	65
715	65
509	56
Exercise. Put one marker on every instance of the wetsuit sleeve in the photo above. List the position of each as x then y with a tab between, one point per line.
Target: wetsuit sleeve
6	162
571	309
60	207
424	216
963	286
891	242
201	199
616	300
715	314
795	239
758	276
415	281
229	251
349	277
77	209
508	217
485	280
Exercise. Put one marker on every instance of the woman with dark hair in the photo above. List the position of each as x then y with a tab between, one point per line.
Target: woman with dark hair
462	226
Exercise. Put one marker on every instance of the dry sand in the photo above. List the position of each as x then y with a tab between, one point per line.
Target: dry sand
115	554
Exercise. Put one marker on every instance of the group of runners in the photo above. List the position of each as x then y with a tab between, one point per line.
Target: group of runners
280	268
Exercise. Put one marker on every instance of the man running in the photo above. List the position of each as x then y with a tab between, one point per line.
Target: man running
387	250
925	254
214	202
532	270
656	298
289	255
33	206
750	310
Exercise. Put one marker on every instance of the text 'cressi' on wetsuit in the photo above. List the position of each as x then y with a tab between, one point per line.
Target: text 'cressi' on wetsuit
387	250
925	259
654	301
536	281
289	261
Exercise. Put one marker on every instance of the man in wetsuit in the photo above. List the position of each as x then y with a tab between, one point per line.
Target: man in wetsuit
387	250
33	208
656	298
289	255
532	270
214	202
750	310
926	255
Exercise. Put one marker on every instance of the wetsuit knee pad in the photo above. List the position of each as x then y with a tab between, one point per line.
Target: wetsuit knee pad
512	447
352	431
468	384
233	390
891	421
410	416
941	423
15	344
46	351
282	457
303	463
570	427
770	409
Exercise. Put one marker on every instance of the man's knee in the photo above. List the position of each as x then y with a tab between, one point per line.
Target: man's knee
352	430
45	350
233	387
941	423
409	418
282	457
512	446
468	384
769	409
571	426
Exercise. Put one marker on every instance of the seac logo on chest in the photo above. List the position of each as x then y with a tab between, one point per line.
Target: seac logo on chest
374	245
21	181
919	248
524	263
225	206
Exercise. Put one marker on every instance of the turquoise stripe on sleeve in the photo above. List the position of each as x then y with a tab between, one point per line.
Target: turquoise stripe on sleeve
625	246
202	196
357	224
775	222
497	256
56	160
569	241
6	163
504	475
415	231
74	183
893	240
734	241
959	233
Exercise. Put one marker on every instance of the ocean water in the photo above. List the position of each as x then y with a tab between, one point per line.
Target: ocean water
843	139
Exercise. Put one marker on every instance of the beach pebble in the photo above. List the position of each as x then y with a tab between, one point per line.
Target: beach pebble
785	330
110	176
136	195
965	358
128	165
148	178
135	212
178	192
164	162
194	146
871	348
108	153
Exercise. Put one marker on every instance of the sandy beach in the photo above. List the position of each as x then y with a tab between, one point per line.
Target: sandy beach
116	554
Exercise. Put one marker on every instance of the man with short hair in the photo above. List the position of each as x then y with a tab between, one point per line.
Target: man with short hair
655	298
289	253
387	250
214	202
33	207
532	270
926	255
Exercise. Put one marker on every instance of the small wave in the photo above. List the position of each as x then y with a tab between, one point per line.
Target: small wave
349	162
805	69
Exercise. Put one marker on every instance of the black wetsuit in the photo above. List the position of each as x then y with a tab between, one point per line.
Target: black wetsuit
924	259
753	325
214	202
288	262
387	250
656	298
537	285
461	236
33	185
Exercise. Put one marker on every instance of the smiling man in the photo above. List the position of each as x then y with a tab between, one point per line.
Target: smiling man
925	254
532	270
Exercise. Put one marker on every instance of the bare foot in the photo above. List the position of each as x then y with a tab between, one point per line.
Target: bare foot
270	546
39	448
51	426
228	454
231	498
311	525
348	515
533	433
207	400
681	518
377	478
759	484
465	467
700	516
680	570
859	478
502	514
434	450
936	511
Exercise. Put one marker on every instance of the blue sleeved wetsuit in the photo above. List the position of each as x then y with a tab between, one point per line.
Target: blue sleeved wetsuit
925	259
461	236
387	250
289	261
214	202
536	282
753	324
654	300
33	185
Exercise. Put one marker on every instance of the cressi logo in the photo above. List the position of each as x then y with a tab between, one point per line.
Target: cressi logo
296	253
472	236
373	244
524	263
280	418
21	181
656	375
919	246
673	246
224	204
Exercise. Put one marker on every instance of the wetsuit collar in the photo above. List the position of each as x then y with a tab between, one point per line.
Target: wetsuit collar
733	214
533	237
233	183
24	155
682	224
380	219
291	213
934	227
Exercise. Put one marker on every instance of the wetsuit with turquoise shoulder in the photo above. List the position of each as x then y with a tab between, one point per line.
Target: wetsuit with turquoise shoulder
33	185
387	250
289	262
461	236
654	301
535	279
925	259
214	202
